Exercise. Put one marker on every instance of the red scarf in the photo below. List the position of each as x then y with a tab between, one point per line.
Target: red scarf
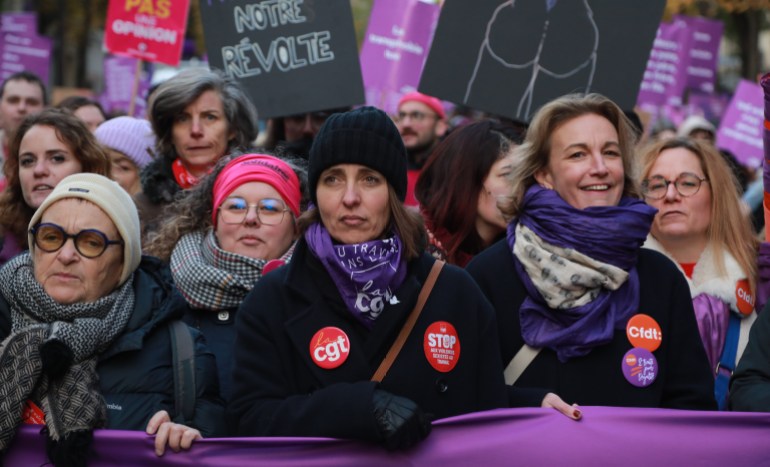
183	176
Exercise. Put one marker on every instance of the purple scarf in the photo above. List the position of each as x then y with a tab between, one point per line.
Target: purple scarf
611	235
366	274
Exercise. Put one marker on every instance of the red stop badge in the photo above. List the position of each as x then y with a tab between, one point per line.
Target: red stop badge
442	346
329	347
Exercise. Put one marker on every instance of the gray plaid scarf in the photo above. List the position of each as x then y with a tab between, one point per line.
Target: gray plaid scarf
72	402
211	278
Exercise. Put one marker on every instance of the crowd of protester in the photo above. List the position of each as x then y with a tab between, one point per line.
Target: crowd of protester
358	275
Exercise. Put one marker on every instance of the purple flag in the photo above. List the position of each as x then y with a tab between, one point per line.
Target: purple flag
605	436
741	128
665	77
395	48
26	51
703	53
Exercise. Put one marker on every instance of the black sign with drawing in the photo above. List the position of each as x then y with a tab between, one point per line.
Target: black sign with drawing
293	56
511	57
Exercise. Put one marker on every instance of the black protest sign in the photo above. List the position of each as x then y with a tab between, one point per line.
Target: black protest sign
293	56
511	57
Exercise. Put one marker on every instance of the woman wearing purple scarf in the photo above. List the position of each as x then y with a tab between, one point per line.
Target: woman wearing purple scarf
311	336
582	309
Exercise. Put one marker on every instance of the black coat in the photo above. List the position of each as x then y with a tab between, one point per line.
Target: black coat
684	381
750	385
280	391
218	327
136	371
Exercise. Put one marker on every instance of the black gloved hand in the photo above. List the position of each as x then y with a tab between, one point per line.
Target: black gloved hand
56	358
400	421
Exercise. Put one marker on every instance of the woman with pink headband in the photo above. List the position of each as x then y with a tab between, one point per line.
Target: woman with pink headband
236	225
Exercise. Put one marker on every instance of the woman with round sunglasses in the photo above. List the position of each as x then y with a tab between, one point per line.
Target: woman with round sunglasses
85	322
236	225
704	228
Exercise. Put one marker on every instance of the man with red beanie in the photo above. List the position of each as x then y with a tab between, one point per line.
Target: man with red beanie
421	121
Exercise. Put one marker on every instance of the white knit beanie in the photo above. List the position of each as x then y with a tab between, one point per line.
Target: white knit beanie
130	136
113	200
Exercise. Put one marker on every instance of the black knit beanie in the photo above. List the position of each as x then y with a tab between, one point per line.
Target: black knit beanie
365	136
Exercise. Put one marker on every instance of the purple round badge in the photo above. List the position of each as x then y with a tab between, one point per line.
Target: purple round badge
640	367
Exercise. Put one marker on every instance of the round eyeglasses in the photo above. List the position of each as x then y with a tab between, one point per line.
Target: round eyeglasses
269	211
90	243
686	184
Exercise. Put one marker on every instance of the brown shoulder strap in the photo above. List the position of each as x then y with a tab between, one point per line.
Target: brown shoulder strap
379	375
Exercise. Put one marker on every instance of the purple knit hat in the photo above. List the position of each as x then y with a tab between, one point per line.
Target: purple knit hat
130	136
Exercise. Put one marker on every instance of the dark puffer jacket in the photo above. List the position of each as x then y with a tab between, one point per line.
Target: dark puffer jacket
136	371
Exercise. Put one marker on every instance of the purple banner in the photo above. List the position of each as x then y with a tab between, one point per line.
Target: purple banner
395	48
19	23
665	77
119	76
703	53
605	436
22	52
741	128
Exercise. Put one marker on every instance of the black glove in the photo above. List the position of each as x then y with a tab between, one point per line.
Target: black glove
400	421
56	358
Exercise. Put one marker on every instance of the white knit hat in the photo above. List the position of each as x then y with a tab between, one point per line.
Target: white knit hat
113	200
695	122
131	136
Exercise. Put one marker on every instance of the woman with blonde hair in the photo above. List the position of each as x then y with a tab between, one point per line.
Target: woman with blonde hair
702	226
582	309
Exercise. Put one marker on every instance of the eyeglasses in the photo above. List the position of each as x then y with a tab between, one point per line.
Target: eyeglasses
90	243
686	184
269	211
415	116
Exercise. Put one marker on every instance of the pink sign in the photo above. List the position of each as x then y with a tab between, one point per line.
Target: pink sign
147	30
395	48
741	127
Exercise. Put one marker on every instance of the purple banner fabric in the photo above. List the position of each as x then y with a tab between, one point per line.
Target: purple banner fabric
704	52
119	75
605	436
395	48
26	51
19	23
741	128
665	77
765	83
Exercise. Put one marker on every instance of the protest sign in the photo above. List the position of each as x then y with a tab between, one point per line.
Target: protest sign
741	128
632	437
151	30
118	86
24	23
703	52
665	76
25	52
292	56
511	57
395	48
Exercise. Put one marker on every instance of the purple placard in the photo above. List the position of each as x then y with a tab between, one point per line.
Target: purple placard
19	23
119	75
665	77
28	52
741	127
711	106
704	52
395	48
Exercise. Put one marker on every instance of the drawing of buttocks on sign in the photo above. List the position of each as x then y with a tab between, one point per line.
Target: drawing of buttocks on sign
293	56
513	56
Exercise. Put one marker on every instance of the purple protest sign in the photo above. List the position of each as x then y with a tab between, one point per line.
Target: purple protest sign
395	48
704	52
535	436
19	23
28	52
741	128
119	77
665	77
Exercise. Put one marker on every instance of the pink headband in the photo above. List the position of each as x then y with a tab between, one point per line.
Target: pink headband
431	102
257	168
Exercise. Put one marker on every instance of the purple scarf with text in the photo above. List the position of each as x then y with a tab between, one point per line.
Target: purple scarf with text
611	234
366	274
